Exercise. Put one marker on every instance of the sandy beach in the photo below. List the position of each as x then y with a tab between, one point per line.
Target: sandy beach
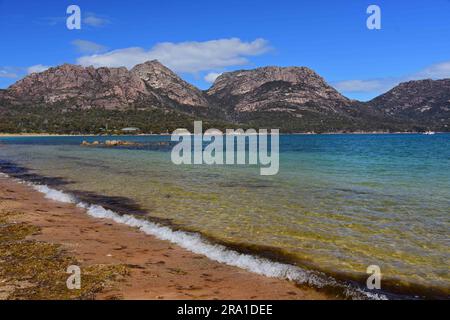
146	267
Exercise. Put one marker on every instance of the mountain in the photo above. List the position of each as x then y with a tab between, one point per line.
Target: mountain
295	97
165	83
76	99
425	102
276	89
72	98
110	88
147	85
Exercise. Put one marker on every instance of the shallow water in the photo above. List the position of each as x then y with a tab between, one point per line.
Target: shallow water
339	203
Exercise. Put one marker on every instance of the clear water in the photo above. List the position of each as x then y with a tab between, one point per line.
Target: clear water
339	203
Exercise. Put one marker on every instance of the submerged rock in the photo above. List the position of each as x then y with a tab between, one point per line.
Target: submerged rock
110	143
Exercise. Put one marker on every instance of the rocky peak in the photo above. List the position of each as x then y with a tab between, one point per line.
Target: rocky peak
244	81
153	73
147	84
84	86
158	76
421	99
274	89
423	88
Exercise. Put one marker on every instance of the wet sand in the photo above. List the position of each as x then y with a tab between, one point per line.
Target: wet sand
158	269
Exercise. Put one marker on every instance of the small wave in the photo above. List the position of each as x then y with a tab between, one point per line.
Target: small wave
53	194
195	243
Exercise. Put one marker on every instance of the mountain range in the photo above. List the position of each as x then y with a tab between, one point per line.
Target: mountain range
76	99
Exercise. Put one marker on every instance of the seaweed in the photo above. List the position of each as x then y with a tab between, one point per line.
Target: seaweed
36	270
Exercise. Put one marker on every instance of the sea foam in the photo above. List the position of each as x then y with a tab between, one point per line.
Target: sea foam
195	243
53	194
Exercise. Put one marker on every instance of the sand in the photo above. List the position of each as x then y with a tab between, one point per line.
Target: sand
158	269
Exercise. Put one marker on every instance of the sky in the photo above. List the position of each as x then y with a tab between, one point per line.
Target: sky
200	39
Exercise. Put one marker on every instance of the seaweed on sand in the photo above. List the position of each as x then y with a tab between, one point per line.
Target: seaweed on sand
31	269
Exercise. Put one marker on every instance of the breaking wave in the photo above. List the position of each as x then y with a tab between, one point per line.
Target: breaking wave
195	243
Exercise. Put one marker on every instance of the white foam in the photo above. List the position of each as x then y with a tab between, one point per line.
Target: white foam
194	242
53	194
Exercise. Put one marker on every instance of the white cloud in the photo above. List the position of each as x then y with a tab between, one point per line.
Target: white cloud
88	46
212	76
189	57
94	21
7	73
89	19
435	71
37	68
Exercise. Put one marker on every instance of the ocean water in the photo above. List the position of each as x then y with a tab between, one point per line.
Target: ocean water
339	204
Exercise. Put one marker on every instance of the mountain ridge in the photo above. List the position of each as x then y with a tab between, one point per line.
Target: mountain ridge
296	99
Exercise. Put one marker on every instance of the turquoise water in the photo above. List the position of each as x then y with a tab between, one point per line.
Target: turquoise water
338	204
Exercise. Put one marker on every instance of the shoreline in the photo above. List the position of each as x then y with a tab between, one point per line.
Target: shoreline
255	261
158	268
31	135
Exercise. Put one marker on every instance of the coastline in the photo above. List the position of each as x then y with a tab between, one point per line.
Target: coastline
266	261
31	135
157	268
75	135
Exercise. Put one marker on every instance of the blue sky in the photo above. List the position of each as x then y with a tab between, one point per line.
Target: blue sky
200	39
